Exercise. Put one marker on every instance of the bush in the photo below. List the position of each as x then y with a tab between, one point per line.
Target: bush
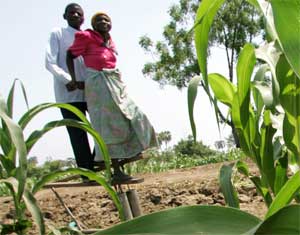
189	147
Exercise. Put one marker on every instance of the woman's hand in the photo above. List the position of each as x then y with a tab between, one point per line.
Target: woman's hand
71	86
80	85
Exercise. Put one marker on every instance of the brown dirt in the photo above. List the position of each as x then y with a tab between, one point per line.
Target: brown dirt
94	209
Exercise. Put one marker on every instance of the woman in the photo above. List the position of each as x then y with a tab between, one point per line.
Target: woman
124	128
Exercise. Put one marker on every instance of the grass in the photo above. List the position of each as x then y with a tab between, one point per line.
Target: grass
168	160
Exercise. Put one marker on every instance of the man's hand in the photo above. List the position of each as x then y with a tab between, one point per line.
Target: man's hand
71	86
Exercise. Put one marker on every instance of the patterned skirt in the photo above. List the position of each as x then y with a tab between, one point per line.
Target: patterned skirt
124	128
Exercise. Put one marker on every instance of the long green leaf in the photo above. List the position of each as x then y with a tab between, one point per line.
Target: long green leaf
30	114
242	168
8	165
266	10
32	206
17	138
285	195
91	175
10	98
12	184
243	136
5	142
262	92
281	173
36	135
284	222
266	149
245	66
227	187
262	190
270	54
287	24
192	94
192	220
290	101
205	15
223	89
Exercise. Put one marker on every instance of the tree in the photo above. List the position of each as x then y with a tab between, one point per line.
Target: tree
32	161
164	137
174	58
33	170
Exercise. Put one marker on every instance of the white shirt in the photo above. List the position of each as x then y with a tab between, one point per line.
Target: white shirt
59	42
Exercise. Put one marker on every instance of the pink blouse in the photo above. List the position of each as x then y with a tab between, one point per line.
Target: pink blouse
90	45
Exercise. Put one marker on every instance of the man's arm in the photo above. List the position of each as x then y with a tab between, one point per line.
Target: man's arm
52	52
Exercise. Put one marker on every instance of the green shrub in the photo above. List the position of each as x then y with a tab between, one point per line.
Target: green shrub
189	147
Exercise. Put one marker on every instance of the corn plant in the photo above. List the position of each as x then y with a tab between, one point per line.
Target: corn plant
13	161
258	126
265	112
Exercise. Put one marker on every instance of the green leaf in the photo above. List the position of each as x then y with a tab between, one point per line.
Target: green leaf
12	184
17	138
262	190
266	149
243	168
32	206
290	101
8	165
293	163
10	98
235	112
223	89
243	135
283	222
213	220
91	175
85	125
285	195
30	114
266	10
204	18
5	142
245	66
287	24
227	187
262	92
270	54
254	3
291	139
192	94
265	96
281	171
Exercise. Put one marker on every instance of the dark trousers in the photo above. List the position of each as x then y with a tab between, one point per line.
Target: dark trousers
79	139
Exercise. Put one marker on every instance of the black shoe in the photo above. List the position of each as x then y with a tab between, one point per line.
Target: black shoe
124	161
86	180
99	166
122	178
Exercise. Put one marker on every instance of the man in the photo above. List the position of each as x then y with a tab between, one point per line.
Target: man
66	91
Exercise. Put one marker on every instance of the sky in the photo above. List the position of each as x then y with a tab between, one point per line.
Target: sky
26	26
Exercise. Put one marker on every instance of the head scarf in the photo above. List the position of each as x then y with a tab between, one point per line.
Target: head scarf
93	21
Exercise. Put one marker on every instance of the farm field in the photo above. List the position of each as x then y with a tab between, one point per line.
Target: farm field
189	186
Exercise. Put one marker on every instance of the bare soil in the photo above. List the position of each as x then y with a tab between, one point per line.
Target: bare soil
94	209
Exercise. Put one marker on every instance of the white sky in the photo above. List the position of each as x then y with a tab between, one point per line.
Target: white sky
25	27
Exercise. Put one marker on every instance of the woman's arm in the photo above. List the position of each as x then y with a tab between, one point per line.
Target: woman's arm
70	64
